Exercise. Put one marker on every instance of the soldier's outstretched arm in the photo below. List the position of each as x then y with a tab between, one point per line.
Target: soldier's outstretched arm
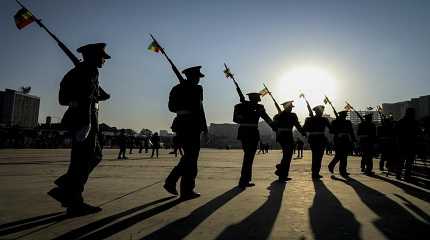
299	127
266	117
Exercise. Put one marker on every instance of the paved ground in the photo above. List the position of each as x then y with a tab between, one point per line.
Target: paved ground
136	207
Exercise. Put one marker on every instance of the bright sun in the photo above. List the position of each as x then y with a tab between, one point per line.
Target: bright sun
313	81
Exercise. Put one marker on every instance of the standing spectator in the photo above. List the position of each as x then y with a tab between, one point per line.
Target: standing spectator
155	139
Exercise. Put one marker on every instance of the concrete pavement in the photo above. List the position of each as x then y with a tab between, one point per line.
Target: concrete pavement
135	206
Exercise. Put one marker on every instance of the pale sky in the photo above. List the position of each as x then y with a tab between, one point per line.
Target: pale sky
366	52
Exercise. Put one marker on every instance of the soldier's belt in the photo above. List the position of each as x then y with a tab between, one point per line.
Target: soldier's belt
183	112
316	133
343	134
248	125
285	130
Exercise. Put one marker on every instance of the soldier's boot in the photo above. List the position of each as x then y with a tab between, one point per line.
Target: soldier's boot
170	188
59	195
81	209
189	195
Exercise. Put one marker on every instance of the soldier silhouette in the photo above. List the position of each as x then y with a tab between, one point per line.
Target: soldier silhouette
80	91
186	100
343	142
122	143
284	123
367	135
315	127
155	139
408	130
387	143
299	146
248	134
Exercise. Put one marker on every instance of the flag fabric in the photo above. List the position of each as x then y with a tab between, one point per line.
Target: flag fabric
227	73
348	107
326	100
264	92
23	18
154	47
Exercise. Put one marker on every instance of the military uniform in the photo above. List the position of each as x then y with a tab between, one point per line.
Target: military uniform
284	122
80	90
387	142
343	140
248	134
186	100
408	130
367	135
122	143
315	127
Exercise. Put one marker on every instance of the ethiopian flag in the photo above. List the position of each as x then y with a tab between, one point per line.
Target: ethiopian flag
264	92
154	47
23	17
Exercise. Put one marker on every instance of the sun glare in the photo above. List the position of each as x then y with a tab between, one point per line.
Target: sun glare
313	81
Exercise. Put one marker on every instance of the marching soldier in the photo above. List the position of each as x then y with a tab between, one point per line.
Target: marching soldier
315	127
248	134
408	130
284	123
367	134
80	90
387	142
186	100
122	143
343	140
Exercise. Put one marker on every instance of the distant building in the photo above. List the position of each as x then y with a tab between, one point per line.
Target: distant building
19	109
165	133
355	119
398	109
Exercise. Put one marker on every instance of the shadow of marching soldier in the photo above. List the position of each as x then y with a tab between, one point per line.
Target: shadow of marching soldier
394	221
180	228
329	218
259	224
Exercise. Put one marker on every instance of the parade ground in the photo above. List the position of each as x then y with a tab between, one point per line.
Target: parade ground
135	205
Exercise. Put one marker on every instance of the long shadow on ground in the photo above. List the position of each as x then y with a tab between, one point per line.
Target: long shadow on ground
105	232
329	219
29	223
409	189
259	224
394	221
184	226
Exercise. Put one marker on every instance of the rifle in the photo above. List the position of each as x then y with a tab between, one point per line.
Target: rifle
334	110
175	69
228	74
63	47
311	113
274	101
356	112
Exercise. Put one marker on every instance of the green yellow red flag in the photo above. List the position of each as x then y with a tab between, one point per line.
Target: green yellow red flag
264	92
23	18
154	47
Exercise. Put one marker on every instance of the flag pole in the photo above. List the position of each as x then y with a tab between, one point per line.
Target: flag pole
63	47
175	69
356	112
334	110
239	91
274	101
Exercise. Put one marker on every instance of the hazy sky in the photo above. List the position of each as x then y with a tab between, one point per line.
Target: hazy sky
370	52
